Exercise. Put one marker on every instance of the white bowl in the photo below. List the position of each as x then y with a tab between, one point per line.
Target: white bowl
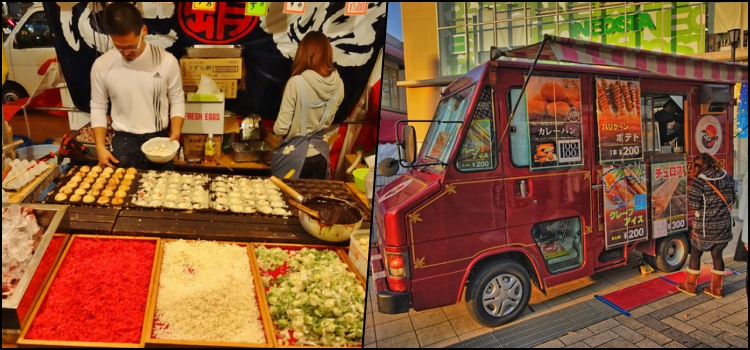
171	149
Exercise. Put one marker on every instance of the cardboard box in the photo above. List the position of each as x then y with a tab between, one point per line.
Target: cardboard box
193	146
204	118
228	87
215	68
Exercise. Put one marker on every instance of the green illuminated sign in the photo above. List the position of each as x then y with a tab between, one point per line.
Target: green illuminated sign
611	25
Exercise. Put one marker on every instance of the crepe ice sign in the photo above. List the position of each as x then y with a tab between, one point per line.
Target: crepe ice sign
708	135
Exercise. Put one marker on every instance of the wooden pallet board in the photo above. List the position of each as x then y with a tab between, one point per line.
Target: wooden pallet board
89	219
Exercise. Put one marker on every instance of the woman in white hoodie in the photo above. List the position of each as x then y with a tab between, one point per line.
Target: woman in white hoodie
310	101
710	196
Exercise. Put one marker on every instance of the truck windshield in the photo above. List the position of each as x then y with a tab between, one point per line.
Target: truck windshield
443	132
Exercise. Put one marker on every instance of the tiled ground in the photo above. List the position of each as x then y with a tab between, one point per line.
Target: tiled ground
448	325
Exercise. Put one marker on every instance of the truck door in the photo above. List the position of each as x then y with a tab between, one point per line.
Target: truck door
29	46
548	174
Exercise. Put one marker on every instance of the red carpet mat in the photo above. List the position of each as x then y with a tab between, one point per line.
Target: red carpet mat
629	298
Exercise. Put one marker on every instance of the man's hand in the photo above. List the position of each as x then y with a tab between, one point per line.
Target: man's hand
106	158
174	135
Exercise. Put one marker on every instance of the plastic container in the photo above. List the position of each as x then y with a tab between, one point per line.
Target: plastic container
359	178
359	254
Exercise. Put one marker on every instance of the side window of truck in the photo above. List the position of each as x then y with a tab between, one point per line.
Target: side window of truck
478	152
34	33
519	130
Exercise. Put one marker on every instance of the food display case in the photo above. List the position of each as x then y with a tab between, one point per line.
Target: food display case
37	269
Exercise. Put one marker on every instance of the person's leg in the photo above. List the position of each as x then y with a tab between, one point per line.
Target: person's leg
693	272
315	167
717	273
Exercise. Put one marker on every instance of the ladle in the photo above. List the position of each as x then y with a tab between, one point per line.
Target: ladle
297	198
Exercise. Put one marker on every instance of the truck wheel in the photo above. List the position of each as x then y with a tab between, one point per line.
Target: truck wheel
13	91
498	293
671	253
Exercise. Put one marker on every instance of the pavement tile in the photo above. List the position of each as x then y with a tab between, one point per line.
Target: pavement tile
601	338
577	336
455	311
681	337
647	343
704	326
629	322
674	344
714	315
663	312
474	333
465	324
618	344
444	343
436	333
407	340
652	323
426	318
734	341
381	318
640	311
739	330
393	329
579	345
655	336
628	334
369	336
679	323
552	344
603	325
709	340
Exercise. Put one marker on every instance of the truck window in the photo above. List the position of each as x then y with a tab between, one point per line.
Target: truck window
560	243
478	151
34	33
519	130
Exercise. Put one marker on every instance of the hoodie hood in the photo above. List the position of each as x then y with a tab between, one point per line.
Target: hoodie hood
713	175
324	87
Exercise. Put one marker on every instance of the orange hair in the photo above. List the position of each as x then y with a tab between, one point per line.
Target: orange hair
314	52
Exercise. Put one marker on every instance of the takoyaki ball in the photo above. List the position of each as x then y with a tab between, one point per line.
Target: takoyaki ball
89	180
88	198
117	200
111	187
97	186
120	194
96	169
84	186
120	171
107	193
80	192
75	198
101	180
66	190
94	193
129	176
105	175
124	188
76	178
85	169
61	197
113	181
108	170
126	181
103	200
131	171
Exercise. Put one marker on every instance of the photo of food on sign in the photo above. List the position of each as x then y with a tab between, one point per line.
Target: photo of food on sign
553	99
625	204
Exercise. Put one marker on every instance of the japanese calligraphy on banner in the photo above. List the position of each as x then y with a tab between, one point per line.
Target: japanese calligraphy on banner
554	117
294	7
618	110
669	197
625	204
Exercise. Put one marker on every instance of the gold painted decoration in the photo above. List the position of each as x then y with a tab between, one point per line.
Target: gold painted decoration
414	217
450	189
419	263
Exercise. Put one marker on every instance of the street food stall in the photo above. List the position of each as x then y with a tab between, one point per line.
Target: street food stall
216	251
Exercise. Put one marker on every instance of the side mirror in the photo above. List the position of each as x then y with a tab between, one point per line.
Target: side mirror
388	167
410	143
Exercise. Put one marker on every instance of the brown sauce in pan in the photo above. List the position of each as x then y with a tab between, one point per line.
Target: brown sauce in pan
333	212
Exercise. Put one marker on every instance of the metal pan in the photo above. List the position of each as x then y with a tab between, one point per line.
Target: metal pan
336	220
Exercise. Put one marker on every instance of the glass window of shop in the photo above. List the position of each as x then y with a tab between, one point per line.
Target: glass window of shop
467	31
390	98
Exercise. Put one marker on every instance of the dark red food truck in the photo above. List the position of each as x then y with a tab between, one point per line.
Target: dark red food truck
534	171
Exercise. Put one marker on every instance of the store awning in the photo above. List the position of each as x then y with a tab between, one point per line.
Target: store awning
556	48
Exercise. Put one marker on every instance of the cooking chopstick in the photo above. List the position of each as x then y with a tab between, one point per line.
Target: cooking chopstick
224	164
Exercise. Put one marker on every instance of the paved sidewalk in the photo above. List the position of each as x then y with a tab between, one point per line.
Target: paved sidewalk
570	316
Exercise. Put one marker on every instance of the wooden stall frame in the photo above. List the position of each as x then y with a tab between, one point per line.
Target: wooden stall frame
342	255
259	298
23	341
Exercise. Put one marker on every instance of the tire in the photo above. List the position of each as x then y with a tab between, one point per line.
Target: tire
498	293
13	91
671	253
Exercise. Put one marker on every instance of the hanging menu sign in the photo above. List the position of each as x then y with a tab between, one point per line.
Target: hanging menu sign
625	204
669	197
554	117
618	110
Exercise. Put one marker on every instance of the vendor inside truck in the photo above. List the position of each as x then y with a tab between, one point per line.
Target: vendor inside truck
671	120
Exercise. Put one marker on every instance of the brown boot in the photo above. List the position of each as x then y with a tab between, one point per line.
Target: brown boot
691	282
717	279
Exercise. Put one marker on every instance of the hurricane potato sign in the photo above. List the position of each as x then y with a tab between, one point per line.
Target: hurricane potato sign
618	110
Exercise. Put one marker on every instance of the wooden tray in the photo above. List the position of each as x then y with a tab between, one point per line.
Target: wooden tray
24	341
342	254
260	300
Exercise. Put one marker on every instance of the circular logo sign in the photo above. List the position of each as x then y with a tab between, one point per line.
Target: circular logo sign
226	24
708	135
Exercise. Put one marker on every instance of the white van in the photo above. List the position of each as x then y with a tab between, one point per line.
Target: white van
29	45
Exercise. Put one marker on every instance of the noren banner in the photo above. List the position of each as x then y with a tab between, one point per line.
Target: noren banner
268	44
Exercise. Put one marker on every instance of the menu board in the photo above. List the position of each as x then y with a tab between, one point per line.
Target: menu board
625	204
669	197
618	110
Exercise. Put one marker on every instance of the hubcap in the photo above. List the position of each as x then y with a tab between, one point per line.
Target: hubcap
502	295
674	252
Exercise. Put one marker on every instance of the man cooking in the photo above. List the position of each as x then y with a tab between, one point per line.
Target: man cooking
144	86
670	120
